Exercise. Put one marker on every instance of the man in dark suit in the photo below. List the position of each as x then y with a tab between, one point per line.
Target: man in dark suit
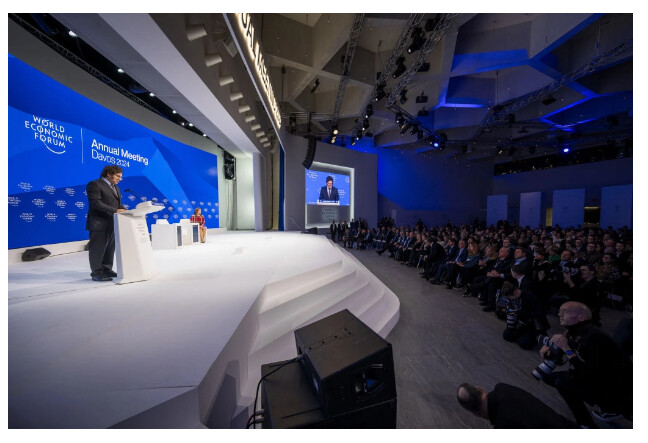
333	230
104	200
329	192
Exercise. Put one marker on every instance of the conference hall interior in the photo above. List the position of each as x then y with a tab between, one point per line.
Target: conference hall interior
411	220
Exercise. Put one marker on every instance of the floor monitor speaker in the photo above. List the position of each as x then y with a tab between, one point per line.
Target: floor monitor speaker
35	254
289	401
349	366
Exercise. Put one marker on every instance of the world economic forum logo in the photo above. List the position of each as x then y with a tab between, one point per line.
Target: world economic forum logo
51	134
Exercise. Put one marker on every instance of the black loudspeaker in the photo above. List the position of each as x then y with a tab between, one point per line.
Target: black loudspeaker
310	152
289	401
311	231
35	254
349	366
229	166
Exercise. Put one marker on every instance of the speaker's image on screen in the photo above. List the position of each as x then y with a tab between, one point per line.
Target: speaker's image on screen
318	192
60	140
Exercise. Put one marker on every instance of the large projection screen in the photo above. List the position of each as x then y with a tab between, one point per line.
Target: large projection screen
60	140
321	212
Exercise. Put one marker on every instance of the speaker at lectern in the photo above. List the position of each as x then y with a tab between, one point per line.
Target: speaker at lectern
133	245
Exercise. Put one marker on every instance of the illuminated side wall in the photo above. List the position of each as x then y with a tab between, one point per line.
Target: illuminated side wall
436	189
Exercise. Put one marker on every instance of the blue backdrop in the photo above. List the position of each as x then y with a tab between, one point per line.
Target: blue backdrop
60	140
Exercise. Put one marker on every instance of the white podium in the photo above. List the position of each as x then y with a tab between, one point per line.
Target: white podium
132	244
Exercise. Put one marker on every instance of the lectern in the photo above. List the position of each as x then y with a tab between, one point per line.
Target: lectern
132	244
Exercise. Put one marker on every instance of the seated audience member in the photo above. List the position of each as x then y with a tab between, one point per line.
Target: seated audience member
452	252
607	273
598	374
585	289
414	243
509	407
347	238
592	256
520	310
435	256
494	280
464	268
484	265
364	239
420	248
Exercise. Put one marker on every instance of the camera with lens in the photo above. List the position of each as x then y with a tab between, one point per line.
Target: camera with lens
556	357
511	318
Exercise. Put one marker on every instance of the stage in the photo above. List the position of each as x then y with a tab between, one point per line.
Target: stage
183	349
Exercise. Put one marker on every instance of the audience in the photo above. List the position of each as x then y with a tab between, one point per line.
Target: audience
523	275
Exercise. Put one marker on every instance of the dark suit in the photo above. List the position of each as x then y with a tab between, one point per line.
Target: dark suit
324	194
103	202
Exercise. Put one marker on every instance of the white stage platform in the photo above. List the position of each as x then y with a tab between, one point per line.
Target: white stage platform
184	349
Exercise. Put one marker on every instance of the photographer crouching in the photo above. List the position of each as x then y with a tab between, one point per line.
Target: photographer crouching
517	304
598	373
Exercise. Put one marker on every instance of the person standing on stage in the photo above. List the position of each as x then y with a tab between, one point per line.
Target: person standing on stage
104	200
200	219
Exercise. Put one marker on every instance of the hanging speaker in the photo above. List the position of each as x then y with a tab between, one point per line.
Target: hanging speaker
229	166
310	152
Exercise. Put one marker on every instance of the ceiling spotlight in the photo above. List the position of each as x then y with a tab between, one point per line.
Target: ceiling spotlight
120	70
151	94
419	134
359	135
400	68
225	80
380	92
315	86
72	34
400	120
415	129
212	59
174	111
369	111
365	124
566	149
406	127
421	98
423	112
403	96
191	125
335	129
417	40
353	141
549	100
